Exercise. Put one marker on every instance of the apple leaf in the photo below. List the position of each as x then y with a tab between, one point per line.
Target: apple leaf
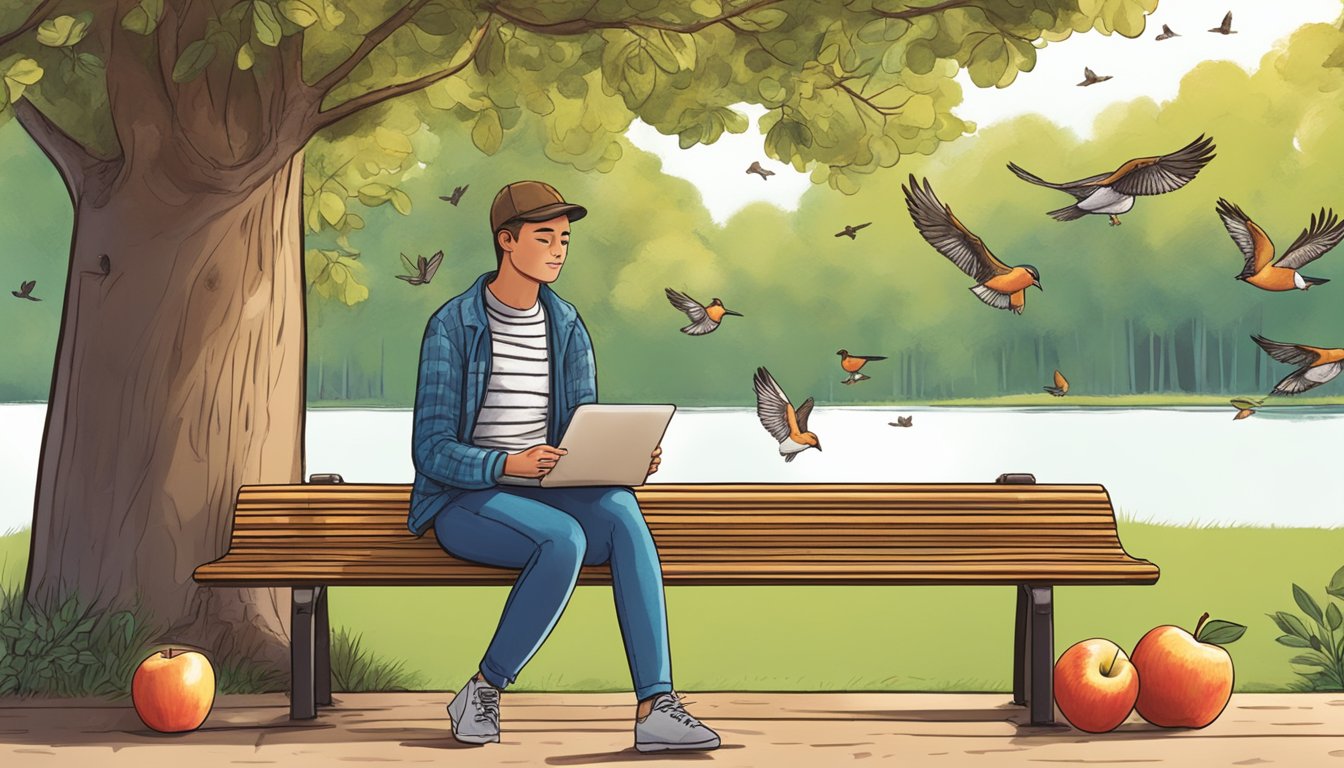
1290	624
1292	641
1219	632
1333	619
1308	604
1336	587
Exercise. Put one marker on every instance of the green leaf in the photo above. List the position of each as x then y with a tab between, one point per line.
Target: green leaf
374	194
988	61
21	74
1219	632
1335	60
1311	661
394	142
1336	587
266	23
143	18
487	134
1333	618
89	63
539	102
1291	625
332	206
332	17
299	12
401	201
1308	604
193	61
245	58
919	57
62	31
763	20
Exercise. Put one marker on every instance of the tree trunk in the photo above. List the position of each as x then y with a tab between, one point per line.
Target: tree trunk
178	377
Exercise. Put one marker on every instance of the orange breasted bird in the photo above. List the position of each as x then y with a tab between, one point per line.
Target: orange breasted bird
1113	193
1319	237
999	285
1316	365
704	318
853	363
1061	387
779	418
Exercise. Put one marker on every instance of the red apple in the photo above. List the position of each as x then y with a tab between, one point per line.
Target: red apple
1095	685
1187	679
173	690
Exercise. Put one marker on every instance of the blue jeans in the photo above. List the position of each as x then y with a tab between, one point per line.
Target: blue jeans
549	533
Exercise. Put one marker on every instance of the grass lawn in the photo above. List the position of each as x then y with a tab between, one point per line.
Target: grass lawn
857	638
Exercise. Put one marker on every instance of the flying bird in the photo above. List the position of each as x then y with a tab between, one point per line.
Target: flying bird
456	197
704	318
1091	78
1245	406
1166	33
853	363
779	418
998	285
1113	193
104	268
756	168
902	421
1316	365
851	230
1061	387
1322	234
1226	27
26	290
423	269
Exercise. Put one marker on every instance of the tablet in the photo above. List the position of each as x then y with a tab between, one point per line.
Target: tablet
609	445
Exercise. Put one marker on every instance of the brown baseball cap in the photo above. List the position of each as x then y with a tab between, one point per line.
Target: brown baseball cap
531	201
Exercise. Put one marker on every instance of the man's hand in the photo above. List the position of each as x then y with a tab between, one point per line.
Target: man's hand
536	461
653	465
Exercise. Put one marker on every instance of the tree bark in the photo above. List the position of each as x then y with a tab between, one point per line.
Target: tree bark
179	376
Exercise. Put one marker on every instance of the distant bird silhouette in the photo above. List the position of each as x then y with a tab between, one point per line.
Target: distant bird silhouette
853	363
1113	193
780	419
704	318
851	230
998	285
1091	78
1061	387
104	268
1322	234
26	290
1245	406
903	421
1226	27
423	269
1166	33
456	197
1316	365
756	168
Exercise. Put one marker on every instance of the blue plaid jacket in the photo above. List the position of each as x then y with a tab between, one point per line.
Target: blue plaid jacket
454	366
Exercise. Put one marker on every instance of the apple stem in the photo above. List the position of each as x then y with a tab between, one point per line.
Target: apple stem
1199	625
1109	667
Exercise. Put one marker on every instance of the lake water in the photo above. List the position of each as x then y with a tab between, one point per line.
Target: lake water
1187	465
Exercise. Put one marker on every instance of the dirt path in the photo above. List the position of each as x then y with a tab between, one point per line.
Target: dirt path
816	730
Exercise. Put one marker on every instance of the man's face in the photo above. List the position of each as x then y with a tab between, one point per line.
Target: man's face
539	252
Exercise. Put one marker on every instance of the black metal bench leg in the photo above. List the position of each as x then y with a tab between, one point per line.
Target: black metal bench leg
1040	683
302	705
1020	646
322	656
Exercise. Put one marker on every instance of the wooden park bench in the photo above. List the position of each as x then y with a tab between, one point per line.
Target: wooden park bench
1012	532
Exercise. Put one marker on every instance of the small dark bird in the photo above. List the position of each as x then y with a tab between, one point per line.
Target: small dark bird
1061	387
1091	78
1166	33
852	364
1226	27
456	197
1316	365
851	230
104	268
756	168
703	318
903	421
424	269
25	290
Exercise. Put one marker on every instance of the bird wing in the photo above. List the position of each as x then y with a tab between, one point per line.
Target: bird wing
857	227
771	405
1060	381
948	236
1255	245
1166	29
1088	74
1079	189
1160	174
802	413
410	265
686	304
1289	354
432	266
1227	21
841	233
1320	236
27	286
870	357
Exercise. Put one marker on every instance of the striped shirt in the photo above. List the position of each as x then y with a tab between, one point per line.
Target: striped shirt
513	414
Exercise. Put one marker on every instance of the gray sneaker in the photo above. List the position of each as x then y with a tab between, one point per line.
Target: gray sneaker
670	726
475	713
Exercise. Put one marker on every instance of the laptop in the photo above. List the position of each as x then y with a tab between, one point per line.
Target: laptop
607	444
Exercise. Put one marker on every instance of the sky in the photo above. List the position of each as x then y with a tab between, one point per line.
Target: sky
1139	67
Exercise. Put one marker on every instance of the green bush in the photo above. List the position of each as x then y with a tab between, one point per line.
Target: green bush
1323	653
354	669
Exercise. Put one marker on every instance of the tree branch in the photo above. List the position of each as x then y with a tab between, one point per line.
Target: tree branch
855	95
911	13
70	157
581	25
365	100
33	20
372	40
